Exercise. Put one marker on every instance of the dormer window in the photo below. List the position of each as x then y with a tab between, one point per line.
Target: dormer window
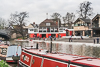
47	24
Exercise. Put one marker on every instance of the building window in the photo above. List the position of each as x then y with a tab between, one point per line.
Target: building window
52	29
47	24
78	24
35	30
31	30
48	29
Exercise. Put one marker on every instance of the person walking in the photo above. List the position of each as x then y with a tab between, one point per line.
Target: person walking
54	38
94	41
71	39
81	37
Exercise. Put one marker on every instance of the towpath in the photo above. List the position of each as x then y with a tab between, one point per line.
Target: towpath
84	40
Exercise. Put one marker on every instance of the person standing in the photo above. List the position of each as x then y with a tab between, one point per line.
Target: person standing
54	38
69	39
43	38
94	41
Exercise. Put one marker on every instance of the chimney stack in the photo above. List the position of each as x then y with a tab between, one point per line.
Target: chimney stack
33	22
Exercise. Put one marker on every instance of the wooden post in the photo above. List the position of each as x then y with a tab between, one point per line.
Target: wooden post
37	46
51	46
91	33
83	33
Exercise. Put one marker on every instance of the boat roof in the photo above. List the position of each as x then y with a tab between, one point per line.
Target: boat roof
92	62
3	46
66	57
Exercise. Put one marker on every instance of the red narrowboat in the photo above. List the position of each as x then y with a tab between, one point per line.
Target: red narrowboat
31	57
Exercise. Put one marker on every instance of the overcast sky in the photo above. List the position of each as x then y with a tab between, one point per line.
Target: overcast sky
37	9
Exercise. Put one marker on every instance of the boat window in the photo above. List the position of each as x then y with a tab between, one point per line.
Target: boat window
24	58
12	50
3	51
33	61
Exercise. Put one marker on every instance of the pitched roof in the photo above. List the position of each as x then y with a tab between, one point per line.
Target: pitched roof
98	15
34	25
31	26
53	23
84	20
48	20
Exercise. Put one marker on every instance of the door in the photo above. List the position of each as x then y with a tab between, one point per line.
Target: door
53	63
36	61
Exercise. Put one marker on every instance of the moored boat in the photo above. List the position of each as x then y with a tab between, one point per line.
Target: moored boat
10	53
32	57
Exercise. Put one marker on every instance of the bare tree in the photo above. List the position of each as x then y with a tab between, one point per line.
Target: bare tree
3	23
68	19
57	17
85	9
17	21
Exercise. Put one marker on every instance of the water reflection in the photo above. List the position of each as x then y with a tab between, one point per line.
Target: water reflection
76	49
96	52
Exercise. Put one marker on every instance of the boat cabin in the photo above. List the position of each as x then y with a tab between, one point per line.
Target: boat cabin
8	52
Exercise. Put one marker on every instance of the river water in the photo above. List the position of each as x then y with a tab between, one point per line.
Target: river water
82	49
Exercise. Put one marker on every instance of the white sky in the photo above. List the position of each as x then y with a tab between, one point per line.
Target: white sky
37	9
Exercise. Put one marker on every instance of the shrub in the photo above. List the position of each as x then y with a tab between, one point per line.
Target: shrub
3	64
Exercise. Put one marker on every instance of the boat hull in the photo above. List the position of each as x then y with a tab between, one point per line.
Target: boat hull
34	58
8	59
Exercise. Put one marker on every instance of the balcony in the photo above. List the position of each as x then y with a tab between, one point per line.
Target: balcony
81	28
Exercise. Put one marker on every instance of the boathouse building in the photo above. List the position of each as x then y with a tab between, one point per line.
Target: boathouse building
82	27
49	27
